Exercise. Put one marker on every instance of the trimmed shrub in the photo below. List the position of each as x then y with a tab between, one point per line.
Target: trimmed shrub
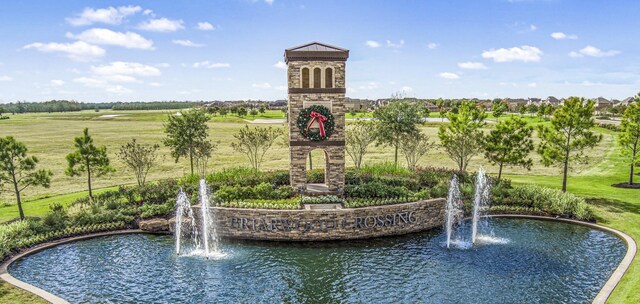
549	200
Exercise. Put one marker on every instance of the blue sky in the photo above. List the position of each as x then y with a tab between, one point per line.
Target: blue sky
96	51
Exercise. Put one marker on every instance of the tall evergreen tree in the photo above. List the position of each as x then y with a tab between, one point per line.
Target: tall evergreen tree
509	144
19	170
89	159
630	136
568	136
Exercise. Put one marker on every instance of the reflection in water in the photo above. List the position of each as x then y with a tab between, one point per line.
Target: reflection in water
542	262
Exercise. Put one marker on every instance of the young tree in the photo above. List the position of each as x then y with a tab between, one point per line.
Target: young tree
358	137
542	110
139	158
202	155
186	133
630	136
533	109
254	142
462	137
397	119
2	111
568	135
509	144
223	111
19	170
522	109
498	109
87	158
253	113
262	109
414	147
242	111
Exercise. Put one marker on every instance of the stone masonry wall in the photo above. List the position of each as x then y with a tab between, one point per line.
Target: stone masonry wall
331	224
334	167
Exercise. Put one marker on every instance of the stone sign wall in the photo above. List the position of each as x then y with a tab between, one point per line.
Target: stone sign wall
332	224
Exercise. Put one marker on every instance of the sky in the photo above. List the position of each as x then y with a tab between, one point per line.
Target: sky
103	51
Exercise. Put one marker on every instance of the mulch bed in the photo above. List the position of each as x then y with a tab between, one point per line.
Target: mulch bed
627	186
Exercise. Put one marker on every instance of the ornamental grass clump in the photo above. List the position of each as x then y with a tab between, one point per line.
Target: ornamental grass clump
551	201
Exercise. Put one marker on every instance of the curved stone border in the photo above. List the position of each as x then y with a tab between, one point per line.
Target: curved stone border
615	277
601	297
51	298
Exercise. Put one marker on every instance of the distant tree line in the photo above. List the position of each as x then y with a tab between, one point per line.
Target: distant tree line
52	106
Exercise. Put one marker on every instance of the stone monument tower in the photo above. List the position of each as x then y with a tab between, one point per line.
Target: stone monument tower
316	81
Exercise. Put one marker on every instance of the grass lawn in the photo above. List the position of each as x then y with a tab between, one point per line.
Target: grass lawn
11	294
50	137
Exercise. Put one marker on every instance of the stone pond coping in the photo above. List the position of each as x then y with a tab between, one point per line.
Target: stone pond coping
601	297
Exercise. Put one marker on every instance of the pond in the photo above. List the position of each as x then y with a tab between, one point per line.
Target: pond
535	261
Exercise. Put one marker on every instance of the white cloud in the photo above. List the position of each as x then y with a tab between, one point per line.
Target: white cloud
532	85
6	78
148	12
524	53
562	36
472	65
210	65
56	82
264	85
121	78
103	36
280	65
188	43
205	26
79	50
90	82
126	68
533	27
281	88
433	45
163	65
270	2
118	89
406	89
395	45
155	84
593	51
513	84
109	15
162	25
449	75
372	44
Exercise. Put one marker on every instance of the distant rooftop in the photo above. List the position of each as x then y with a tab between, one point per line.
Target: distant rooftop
316	51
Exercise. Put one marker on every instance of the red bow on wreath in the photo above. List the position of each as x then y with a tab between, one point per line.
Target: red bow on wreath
320	118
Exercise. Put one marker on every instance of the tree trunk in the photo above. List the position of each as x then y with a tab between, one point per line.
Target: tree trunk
310	162
89	180
631	174
395	157
17	189
191	160
500	172
564	173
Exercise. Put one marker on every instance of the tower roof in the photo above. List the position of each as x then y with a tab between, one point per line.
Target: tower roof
316	51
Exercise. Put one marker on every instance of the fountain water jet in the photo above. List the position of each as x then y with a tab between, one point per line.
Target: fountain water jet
208	229
204	236
453	211
184	212
480	204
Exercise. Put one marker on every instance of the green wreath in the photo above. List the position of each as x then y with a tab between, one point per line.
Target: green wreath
322	116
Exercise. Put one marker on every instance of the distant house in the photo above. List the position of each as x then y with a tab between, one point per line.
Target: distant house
357	105
553	101
431	107
627	101
514	103
602	103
